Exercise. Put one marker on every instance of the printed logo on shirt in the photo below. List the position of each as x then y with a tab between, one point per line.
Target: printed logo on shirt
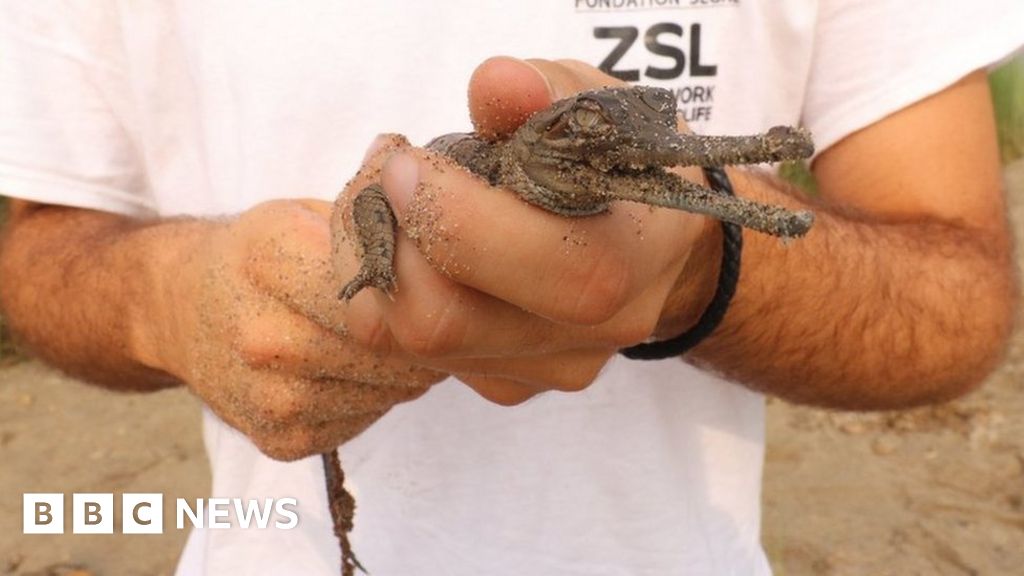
144	513
634	5
669	52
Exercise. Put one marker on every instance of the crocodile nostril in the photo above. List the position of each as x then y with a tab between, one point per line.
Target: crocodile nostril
659	99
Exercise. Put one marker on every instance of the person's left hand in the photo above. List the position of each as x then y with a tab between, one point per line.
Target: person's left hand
510	298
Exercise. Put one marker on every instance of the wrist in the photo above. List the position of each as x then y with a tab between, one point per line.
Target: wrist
169	278
696	283
714	312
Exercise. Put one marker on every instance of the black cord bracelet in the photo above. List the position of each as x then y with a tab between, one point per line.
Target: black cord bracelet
728	276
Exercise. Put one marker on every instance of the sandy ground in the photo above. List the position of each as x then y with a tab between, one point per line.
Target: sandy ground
938	491
935	491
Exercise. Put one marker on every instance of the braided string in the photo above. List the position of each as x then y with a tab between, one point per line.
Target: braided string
728	277
342	506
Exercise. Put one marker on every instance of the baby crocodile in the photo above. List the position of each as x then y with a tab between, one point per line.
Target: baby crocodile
583	152
575	158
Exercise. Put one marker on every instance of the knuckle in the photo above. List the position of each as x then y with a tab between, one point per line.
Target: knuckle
632	329
510	400
581	376
500	391
286	446
270	444
598	287
431	333
419	380
341	431
259	348
286	210
305	440
268	207
275	214
509	396
281	407
372	333
271	447
254	351
372	400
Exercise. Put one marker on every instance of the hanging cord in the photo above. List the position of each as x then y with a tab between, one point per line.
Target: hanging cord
728	277
343	508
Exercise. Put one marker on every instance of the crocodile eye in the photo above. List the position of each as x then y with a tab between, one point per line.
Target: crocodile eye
587	114
586	117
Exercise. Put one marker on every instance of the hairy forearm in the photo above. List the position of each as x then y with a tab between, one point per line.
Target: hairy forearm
81	288
865	312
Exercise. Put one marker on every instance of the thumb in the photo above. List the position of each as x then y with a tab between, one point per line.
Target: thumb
504	91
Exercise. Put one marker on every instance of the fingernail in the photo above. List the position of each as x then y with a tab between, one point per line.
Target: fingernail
377	145
400	177
547	83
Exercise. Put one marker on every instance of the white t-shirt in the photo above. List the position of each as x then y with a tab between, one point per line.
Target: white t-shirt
210	106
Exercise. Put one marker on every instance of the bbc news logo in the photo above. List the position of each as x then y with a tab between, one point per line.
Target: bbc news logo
144	513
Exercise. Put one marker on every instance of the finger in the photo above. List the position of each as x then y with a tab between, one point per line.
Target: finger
288	258
570	371
509	382
501	391
276	339
274	401
431	318
302	440
382	147
288	418
567	77
497	111
301	252
329	435
280	401
338	399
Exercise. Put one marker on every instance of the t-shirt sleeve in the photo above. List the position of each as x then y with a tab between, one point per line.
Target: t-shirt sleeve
874	57
66	108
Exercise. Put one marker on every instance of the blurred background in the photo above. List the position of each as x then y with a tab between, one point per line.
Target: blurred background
933	491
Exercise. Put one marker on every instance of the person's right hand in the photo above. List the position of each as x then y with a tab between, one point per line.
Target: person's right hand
243	318
514	300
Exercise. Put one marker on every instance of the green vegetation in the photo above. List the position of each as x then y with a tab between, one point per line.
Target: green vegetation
799	174
1007	84
8	354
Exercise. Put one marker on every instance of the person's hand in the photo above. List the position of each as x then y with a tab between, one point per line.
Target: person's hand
510	298
253	325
